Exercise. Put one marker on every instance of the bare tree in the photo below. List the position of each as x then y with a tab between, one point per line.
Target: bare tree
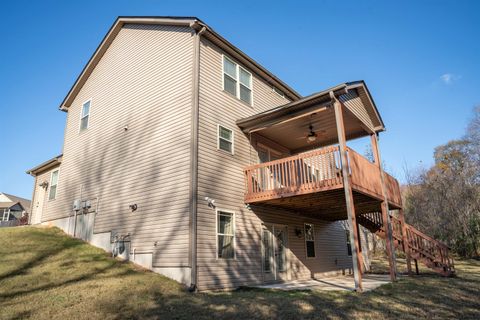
444	200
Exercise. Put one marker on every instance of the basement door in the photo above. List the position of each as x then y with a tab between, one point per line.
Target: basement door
274	253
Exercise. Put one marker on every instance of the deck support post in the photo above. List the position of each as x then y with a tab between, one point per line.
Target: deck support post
385	211
356	254
362	262
406	246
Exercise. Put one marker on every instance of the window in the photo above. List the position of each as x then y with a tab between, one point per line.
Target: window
53	185
225	235
310	240
225	139
237	80
85	115
349	244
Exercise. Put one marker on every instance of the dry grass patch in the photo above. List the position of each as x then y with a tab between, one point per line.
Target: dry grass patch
46	275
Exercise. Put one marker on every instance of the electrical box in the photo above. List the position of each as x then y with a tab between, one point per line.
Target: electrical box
77	205
87	204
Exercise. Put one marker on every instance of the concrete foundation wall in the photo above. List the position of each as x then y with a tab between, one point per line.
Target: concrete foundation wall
84	231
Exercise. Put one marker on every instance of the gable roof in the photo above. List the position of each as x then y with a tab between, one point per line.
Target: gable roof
55	161
25	203
192	22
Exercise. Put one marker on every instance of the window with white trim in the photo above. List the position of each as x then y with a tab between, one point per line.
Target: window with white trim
237	80
310	240
225	235
225	139
85	115
53	185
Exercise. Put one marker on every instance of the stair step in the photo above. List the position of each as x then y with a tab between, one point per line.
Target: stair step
426	253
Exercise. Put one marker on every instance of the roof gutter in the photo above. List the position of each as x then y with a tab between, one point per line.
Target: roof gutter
45	165
311	104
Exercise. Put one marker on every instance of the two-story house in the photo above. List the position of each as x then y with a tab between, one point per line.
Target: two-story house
184	155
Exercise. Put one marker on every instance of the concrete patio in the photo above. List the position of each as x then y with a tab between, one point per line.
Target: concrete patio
342	283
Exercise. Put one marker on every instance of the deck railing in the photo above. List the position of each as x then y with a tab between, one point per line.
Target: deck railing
433	252
304	173
423	245
315	171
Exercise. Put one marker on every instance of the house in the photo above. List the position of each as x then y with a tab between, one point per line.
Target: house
13	208
46	179
184	155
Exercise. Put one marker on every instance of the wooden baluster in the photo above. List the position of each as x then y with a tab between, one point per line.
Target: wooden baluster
293	175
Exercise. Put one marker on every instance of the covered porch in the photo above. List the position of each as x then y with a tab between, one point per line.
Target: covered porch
318	174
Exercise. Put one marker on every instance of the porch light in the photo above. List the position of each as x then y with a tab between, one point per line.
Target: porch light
312	136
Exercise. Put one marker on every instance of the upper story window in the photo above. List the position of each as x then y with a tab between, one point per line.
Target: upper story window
225	139
310	240
53	185
237	80
85	115
225	235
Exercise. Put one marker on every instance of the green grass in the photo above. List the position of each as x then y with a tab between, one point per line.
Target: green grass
47	275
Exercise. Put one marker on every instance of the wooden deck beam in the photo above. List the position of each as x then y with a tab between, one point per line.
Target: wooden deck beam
385	211
356	254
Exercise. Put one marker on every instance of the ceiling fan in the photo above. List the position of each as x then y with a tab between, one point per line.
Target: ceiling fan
311	136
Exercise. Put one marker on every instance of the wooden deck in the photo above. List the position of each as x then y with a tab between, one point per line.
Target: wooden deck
312	183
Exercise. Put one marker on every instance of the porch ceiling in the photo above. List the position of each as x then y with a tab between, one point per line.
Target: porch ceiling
293	134
288	125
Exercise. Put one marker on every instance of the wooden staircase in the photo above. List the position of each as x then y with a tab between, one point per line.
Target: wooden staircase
433	253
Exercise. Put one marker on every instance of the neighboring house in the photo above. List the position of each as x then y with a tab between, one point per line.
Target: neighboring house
13	207
186	156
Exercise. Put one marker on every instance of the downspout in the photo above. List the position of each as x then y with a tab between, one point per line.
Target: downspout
194	154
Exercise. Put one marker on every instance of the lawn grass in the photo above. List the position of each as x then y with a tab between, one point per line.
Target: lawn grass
46	275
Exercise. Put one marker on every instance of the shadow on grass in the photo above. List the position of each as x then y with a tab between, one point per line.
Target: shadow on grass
89	285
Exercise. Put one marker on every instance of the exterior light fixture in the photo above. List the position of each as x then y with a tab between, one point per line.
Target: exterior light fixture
312	136
298	232
210	202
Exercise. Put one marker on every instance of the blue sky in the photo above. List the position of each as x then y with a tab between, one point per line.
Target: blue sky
420	60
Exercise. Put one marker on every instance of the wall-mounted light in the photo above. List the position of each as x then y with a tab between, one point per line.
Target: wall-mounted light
298	232
210	202
133	207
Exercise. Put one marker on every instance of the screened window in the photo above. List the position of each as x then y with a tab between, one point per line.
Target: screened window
53	185
225	235
85	115
349	244
310	240
225	139
237	80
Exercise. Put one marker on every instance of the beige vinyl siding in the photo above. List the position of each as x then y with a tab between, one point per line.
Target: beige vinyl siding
142	83
221	178
355	104
40	196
